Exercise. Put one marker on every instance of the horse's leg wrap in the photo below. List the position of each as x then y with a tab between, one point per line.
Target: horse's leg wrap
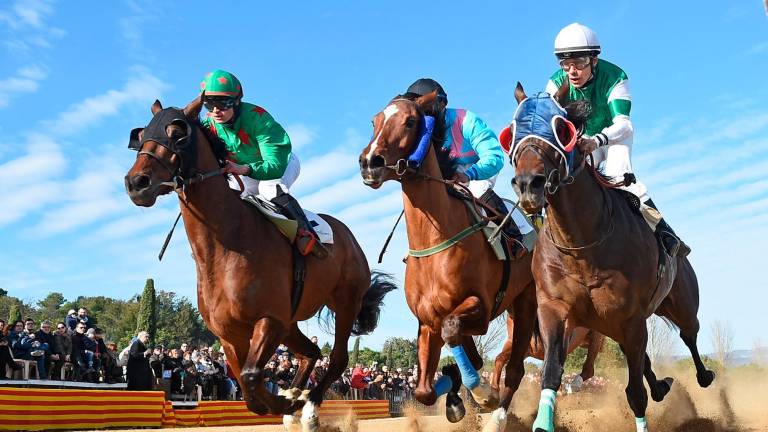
443	385
469	376
642	425
545	419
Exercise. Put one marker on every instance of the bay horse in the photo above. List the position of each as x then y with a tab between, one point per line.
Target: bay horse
451	291
244	272
596	263
575	337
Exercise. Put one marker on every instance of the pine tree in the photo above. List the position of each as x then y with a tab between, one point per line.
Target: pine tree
355	352
14	314
146	319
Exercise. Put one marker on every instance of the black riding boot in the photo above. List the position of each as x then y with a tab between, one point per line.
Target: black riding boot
307	240
672	243
510	228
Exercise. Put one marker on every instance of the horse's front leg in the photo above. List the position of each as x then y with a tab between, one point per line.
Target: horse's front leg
552	315
266	336
503	356
469	318
429	344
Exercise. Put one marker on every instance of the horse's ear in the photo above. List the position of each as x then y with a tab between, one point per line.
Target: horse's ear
192	110
561	95
519	93
427	101
156	107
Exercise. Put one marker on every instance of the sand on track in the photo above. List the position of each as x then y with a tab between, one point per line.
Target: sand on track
736	402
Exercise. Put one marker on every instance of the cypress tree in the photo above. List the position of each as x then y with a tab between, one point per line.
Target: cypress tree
355	352
14	314
146	320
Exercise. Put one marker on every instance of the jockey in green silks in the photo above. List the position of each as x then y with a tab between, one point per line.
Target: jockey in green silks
259	150
609	132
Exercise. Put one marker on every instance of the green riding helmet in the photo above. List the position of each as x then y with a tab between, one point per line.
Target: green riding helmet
221	83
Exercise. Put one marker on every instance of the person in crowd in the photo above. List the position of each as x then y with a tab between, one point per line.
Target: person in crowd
62	349
139	373
71	320
83	317
47	345
79	356
6	356
314	339
34	349
112	372
156	361
91	348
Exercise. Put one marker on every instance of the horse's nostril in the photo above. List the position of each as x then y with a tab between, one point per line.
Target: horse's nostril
538	182
377	162
363	163
139	182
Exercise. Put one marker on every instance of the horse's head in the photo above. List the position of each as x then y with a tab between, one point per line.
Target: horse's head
166	152
401	136
543	148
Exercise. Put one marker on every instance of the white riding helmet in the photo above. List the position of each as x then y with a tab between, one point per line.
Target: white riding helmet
576	40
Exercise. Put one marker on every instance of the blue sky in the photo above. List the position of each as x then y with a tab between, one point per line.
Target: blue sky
76	77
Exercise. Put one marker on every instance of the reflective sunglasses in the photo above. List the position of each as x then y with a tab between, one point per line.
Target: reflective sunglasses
222	104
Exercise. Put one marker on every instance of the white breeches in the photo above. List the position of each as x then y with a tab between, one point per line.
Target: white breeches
268	188
478	187
617	163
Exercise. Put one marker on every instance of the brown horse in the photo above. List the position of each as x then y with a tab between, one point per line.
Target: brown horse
451	292
574	338
596	263
244	276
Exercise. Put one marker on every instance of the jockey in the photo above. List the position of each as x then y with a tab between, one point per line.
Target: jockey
475	149
259	150
609	131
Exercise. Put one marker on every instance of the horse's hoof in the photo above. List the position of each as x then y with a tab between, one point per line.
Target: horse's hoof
706	378
454	408
664	386
497	422
309	419
291	422
484	396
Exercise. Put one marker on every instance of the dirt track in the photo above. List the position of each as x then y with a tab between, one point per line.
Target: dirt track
734	403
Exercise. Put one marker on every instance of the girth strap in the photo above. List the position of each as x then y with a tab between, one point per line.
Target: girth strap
449	243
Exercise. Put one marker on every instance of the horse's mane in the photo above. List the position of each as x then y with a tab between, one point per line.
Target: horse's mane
444	161
217	144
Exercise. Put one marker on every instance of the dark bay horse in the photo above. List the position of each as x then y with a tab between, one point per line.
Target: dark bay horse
596	262
244	271
452	291
574	338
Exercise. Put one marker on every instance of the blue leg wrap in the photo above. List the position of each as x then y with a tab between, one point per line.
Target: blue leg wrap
545	418
443	385
469	376
642	425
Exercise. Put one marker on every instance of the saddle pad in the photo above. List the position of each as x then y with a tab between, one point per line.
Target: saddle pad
523	224
288	226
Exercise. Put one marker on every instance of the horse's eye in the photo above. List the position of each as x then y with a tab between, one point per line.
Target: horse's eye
411	122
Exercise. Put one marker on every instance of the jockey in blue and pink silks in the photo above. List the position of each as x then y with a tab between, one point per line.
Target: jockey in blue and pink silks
476	151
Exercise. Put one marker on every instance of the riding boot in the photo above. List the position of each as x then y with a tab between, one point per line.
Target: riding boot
672	243
510	229
307	240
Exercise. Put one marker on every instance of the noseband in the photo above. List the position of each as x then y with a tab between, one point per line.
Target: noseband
554	179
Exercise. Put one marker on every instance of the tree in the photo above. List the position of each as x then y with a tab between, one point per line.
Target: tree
147	319
722	342
14	314
325	350
3	292
661	340
495	336
367	356
399	352
355	351
575	360
49	308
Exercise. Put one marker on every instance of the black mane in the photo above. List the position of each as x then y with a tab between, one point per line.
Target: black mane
217	144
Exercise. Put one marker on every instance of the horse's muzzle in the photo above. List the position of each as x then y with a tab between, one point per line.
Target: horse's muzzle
139	190
372	171
530	189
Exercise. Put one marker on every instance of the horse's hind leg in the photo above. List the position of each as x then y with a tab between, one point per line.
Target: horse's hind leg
267	334
659	389
681	306
595	341
307	352
503	358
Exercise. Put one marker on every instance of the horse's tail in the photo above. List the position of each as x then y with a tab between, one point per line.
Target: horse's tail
368	317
